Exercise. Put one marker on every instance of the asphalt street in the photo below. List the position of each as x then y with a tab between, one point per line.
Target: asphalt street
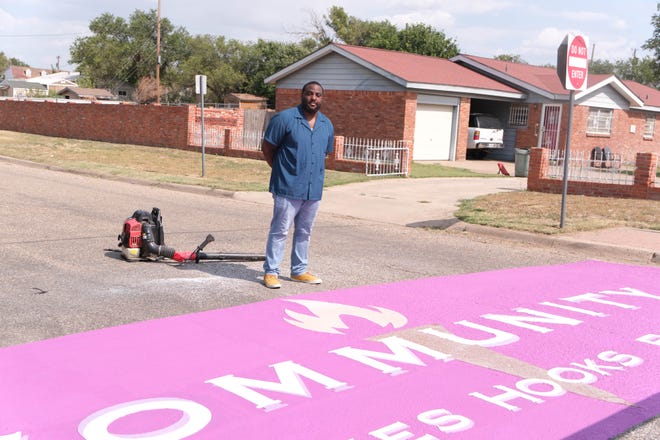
63	274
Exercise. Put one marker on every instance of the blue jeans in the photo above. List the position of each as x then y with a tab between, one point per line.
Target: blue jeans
302	214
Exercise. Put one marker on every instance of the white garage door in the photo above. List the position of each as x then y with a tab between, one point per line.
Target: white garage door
433	125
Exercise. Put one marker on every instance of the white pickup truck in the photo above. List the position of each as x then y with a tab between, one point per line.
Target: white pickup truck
485	133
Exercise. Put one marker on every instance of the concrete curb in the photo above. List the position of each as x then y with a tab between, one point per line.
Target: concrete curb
601	249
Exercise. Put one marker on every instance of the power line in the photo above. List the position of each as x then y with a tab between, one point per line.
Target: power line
40	35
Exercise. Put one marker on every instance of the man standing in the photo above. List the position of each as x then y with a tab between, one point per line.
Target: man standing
295	145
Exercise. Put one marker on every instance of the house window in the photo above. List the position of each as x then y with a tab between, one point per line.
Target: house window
599	121
649	126
518	115
122	93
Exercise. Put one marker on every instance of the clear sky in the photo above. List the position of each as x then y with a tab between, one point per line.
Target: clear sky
38	31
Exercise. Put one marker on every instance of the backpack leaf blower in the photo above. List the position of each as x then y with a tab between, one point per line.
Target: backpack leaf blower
143	238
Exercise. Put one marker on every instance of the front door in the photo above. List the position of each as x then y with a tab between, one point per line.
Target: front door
550	121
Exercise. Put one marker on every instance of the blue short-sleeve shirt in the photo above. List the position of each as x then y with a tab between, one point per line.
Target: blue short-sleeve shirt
299	162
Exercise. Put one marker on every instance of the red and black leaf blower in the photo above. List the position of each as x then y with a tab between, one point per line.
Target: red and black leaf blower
143	238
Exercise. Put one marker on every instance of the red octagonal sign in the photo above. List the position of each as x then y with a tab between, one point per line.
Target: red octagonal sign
577	63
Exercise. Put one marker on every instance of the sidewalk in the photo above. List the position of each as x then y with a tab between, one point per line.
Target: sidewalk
432	202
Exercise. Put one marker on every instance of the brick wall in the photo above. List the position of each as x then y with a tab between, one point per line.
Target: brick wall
152	125
643	187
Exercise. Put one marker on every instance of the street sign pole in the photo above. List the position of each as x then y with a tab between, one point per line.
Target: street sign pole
200	89
572	69
567	157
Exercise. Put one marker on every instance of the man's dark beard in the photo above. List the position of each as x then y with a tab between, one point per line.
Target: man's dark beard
308	109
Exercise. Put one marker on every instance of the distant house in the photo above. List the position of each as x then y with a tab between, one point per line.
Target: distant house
25	72
87	94
123	91
53	80
246	100
21	89
383	94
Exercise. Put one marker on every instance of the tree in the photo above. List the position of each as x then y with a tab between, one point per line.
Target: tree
511	58
259	61
121	51
653	43
4	64
601	67
414	38
217	59
146	91
424	40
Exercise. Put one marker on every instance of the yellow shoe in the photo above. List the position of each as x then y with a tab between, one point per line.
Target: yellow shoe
271	281
306	278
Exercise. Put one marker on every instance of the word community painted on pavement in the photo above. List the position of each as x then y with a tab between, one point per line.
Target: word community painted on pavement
541	352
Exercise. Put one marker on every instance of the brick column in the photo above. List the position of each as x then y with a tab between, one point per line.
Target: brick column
645	166
539	159
409	145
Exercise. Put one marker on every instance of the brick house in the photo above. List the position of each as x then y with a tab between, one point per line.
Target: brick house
376	93
612	113
382	94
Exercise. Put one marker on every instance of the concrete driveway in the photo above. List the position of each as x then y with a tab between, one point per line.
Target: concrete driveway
411	202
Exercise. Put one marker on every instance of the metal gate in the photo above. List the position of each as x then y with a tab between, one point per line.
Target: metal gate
550	121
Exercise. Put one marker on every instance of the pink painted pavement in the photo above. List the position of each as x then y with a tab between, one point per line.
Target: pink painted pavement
568	351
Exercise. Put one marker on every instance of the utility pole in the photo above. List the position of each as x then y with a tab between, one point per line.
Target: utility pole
158	56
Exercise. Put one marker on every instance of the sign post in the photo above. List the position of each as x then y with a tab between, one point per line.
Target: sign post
572	69
200	89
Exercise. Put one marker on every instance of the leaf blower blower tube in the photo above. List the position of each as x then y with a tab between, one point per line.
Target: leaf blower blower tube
150	246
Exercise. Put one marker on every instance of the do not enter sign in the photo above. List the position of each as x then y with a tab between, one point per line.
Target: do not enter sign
573	62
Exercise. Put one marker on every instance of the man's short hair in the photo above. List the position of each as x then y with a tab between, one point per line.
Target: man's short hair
312	83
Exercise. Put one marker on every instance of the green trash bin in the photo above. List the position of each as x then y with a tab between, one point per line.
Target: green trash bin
521	162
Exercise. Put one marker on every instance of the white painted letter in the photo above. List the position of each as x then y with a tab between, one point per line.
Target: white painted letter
509	394
290	382
630	292
499	337
195	417
525	386
650	339
593	297
627	360
556	373
445	421
400	351
395	431
519	321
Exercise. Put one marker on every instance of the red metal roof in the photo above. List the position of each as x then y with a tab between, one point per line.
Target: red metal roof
415	68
